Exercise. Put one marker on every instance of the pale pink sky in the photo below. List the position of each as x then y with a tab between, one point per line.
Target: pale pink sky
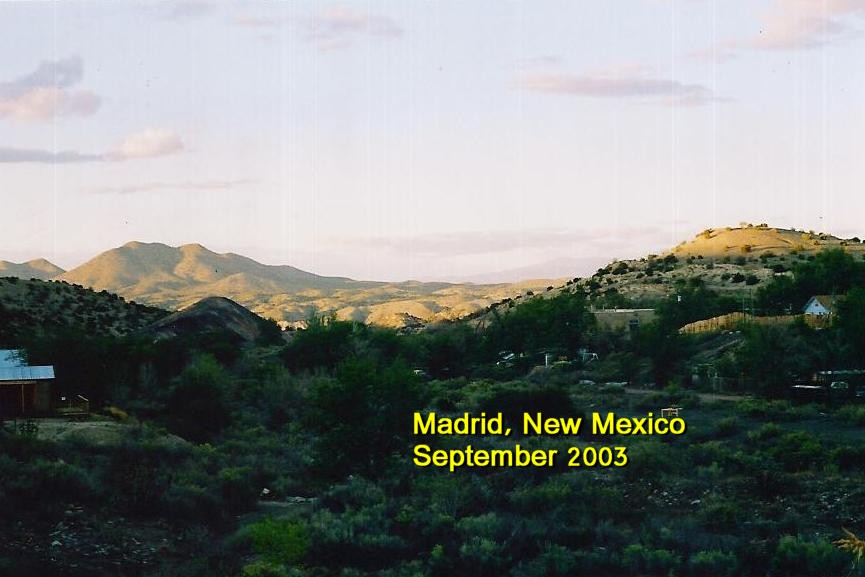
431	140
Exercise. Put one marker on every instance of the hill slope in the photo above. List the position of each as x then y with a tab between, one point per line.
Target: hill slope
728	260
761	239
38	268
27	306
212	313
732	261
177	277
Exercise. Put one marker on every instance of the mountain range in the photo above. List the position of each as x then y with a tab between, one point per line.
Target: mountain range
176	277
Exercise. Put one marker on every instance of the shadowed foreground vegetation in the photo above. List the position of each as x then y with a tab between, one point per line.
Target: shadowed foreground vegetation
270	459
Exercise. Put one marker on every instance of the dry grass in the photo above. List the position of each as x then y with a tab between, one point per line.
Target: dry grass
853	545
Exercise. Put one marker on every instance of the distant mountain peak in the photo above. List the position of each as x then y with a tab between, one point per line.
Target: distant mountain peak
195	247
38	268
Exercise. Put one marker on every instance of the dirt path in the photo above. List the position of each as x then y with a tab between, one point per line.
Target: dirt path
704	397
94	431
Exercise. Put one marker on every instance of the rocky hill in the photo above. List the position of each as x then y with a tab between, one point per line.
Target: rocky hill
761	239
34	305
727	260
212	313
732	260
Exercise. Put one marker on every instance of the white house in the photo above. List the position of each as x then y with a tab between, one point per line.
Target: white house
821	305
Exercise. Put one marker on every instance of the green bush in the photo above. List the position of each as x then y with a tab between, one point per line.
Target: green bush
484	553
713	564
515	400
555	561
719	515
795	557
198	407
727	427
643	560
797	451
279	541
239	491
264	569
853	414
849	458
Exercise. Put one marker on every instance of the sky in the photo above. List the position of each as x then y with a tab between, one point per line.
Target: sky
405	139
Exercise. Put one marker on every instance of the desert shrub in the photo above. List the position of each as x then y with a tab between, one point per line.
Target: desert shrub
776	410
555	561
362	416
139	476
264	569
796	557
849	458
355	493
797	451
713	564
486	556
115	413
855	415
727	427
193	502
646	561
515	400
488	525
198	407
238	489
279	541
765	431
545	496
719	515
643	459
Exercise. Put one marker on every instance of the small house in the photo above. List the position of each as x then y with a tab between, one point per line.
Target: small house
620	319
24	390
821	305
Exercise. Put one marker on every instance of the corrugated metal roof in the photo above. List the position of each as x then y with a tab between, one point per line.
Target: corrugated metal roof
26	373
11	358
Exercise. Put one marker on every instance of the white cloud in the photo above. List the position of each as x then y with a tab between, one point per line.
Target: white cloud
147	144
48	93
338	27
202	186
328	30
632	82
182	10
10	155
794	24
247	21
